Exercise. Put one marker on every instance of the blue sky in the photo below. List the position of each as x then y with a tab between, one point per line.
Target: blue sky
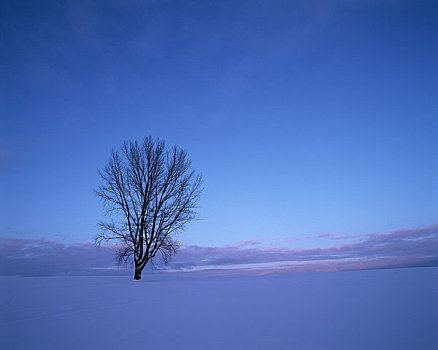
304	117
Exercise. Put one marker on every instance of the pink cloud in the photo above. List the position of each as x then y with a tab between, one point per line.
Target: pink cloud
400	248
249	243
322	235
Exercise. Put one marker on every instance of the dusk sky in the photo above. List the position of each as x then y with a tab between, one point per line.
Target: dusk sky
309	120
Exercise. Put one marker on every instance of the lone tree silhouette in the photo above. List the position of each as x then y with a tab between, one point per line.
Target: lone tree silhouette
150	193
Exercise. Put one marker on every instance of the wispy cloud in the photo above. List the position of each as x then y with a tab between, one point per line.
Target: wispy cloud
250	243
401	248
408	247
36	257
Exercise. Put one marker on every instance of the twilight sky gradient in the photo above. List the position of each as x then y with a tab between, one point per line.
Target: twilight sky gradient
306	118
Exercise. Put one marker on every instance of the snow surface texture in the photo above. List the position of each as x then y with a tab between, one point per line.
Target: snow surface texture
380	309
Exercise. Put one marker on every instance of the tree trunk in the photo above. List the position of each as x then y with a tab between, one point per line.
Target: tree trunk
137	274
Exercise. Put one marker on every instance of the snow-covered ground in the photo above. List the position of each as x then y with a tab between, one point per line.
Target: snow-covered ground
379	309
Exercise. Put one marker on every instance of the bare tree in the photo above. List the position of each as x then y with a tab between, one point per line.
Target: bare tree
150	194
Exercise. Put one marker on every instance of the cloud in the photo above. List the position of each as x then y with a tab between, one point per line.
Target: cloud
36	257
409	247
401	248
249	243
